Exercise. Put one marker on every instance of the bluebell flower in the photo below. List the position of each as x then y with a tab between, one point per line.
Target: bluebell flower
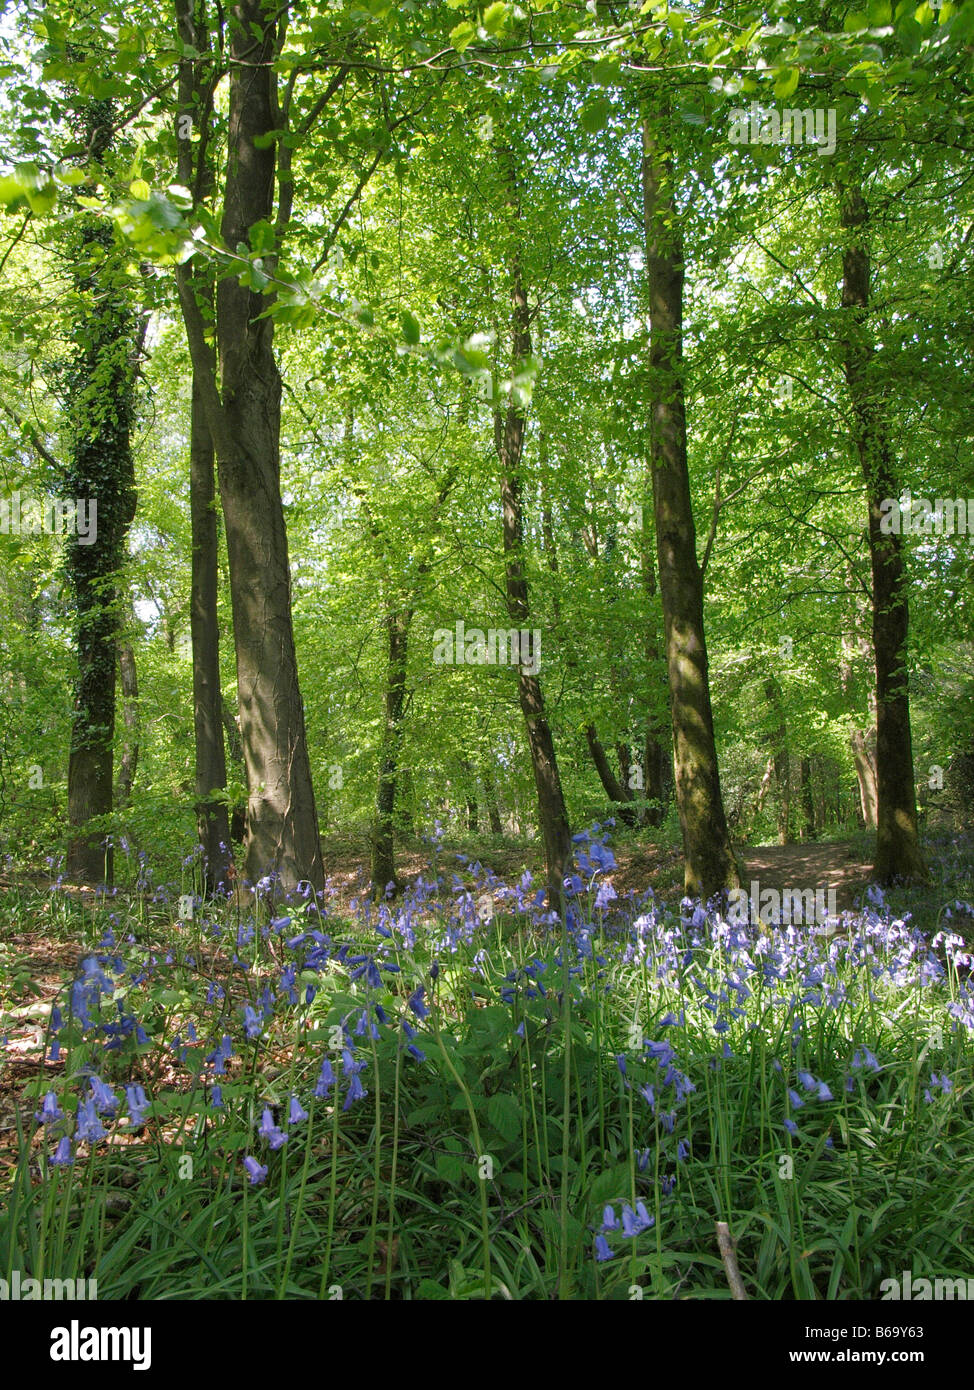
268	1130
796	1100
415	1002
356	1091
62	1155
610	1222
137	1103
682	1150
823	1091
216	1097
326	1079
296	1114
416	1052
49	1111
635	1221
251	1023
603	1250
790	1126
621	1062
89	1128
104	1098
257	1171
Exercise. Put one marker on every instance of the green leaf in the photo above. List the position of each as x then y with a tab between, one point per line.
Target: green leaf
495	17
409	324
504	1114
855	22
595	116
463	35
786	83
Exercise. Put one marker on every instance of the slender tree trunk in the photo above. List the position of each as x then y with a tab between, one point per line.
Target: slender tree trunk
129	681
709	863
100	407
898	856
655	751
212	821
781	762
490	796
196	84
808	799
282	822
620	795
383	835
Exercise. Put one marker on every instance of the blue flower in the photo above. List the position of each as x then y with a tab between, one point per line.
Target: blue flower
216	1097
326	1079
251	1022
682	1150
105	1099
296	1114
137	1104
790	1126
356	1091
602	1249
635	1221
49	1111
268	1130
62	1155
257	1172
610	1222
415	1002
89	1125
823	1091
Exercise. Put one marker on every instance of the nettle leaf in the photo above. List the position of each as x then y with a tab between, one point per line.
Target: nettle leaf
504	1114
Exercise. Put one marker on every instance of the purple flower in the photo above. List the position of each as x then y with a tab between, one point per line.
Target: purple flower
257	1172
356	1091
137	1103
89	1125
326	1079
105	1099
49	1111
251	1022
603	1250
296	1114
635	1221
216	1097
415	1002
610	1222
62	1155
790	1126
268	1130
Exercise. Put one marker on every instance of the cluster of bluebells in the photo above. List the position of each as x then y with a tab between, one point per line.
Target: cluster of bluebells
734	982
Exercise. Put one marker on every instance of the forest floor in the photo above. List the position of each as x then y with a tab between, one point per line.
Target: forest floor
47	956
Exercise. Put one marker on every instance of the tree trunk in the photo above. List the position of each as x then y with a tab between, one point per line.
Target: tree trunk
129	681
655	744
709	863
614	790
383	833
808	799
99	408
490	796
196	83
509	444
282	822
212	821
898	856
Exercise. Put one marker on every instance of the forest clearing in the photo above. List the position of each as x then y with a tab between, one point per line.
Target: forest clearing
486	690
